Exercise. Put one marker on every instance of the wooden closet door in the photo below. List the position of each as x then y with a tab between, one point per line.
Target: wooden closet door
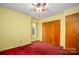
68	32
51	32
72	31
55	31
46	31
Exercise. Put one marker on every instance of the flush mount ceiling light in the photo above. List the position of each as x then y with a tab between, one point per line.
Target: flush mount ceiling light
39	7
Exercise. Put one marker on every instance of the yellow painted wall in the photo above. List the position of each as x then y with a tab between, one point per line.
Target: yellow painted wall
60	16
15	28
0	27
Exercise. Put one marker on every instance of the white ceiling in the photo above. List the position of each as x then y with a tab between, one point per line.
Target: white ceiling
52	8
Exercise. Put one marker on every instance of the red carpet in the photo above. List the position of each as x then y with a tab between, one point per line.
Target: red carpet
36	48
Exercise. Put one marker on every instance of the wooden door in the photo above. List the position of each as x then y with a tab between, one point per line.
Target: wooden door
72	31
55	31
46	31
51	32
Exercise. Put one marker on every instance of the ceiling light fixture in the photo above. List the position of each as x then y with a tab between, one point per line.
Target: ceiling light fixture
39	7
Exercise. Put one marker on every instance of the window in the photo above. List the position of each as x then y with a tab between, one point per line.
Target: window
33	29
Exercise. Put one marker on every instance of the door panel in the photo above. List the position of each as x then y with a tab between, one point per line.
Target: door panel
46	32
55	28
72	31
51	32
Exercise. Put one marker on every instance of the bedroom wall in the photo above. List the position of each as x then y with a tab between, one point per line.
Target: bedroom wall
0	27
60	16
15	28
